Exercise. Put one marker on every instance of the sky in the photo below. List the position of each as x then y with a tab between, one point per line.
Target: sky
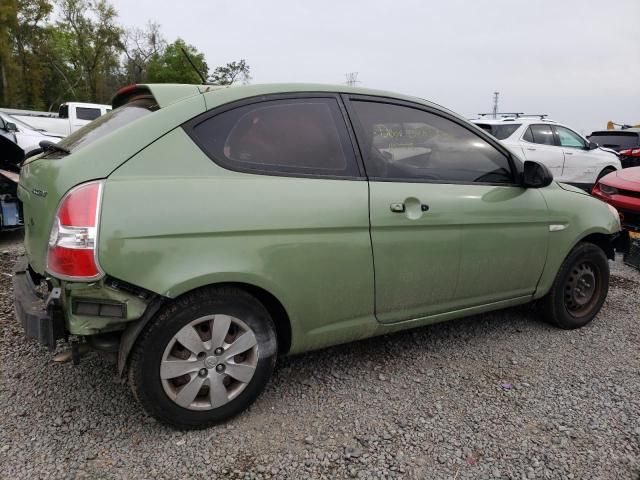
575	60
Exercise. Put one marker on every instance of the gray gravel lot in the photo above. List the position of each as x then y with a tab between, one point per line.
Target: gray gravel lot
496	396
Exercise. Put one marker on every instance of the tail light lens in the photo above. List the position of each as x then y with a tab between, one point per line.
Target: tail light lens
631	152
74	235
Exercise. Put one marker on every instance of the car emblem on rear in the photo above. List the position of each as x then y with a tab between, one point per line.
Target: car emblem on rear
40	193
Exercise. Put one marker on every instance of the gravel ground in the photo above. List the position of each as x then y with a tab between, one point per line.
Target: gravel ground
496	396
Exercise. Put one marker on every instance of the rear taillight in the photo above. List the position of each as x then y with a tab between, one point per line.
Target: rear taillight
74	235
631	152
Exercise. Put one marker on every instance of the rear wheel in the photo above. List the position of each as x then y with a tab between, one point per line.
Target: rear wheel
580	288
204	358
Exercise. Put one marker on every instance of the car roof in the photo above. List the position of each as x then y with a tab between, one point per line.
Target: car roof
315	87
518	120
169	93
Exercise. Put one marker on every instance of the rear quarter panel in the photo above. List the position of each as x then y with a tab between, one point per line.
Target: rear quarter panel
56	176
173	221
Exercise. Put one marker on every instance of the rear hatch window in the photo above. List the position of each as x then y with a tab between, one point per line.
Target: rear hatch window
616	140
499	131
104	125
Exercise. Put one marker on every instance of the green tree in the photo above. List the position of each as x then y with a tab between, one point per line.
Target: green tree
89	45
231	73
8	20
171	66
27	36
77	51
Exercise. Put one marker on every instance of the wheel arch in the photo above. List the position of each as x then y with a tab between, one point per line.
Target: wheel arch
597	236
602	240
274	306
606	170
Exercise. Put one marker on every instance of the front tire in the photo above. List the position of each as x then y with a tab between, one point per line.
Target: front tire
204	358
579	289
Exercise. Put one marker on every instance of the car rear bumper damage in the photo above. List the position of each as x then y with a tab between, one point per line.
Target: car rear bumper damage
41	318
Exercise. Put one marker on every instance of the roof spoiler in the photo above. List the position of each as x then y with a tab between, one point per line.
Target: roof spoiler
129	93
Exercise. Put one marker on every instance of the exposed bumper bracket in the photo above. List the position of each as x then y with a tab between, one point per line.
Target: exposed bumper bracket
41	319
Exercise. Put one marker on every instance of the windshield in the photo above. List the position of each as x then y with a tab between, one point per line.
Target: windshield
106	124
499	131
616	140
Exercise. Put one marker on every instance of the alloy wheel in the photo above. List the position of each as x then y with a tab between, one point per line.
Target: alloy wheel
209	362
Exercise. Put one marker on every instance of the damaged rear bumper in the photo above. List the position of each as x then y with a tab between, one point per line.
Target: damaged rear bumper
41	318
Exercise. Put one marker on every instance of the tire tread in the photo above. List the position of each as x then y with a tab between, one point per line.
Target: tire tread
551	303
134	373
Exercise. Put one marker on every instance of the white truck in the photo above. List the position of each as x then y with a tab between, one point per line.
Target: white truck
70	117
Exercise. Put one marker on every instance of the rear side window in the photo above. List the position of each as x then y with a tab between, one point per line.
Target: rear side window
84	113
295	136
404	143
542	134
501	132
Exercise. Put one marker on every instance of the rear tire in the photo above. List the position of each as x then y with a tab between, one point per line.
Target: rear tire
579	289
204	358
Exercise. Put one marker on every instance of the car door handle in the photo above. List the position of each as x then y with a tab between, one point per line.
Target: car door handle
568	153
531	149
400	207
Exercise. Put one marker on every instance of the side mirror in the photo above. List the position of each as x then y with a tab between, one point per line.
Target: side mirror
592	146
536	175
10	127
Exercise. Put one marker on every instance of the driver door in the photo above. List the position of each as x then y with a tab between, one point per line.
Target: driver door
450	228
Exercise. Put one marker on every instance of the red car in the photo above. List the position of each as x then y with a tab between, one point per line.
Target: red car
622	190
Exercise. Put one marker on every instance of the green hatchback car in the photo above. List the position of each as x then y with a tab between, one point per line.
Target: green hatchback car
200	231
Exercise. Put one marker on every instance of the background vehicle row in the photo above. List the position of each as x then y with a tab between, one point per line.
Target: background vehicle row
570	157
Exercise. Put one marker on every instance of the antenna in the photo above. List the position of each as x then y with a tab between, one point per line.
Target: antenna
495	104
352	79
204	80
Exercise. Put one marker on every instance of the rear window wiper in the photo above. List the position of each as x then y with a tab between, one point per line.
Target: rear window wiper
49	145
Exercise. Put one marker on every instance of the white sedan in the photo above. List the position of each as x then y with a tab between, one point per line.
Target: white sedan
25	136
570	157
